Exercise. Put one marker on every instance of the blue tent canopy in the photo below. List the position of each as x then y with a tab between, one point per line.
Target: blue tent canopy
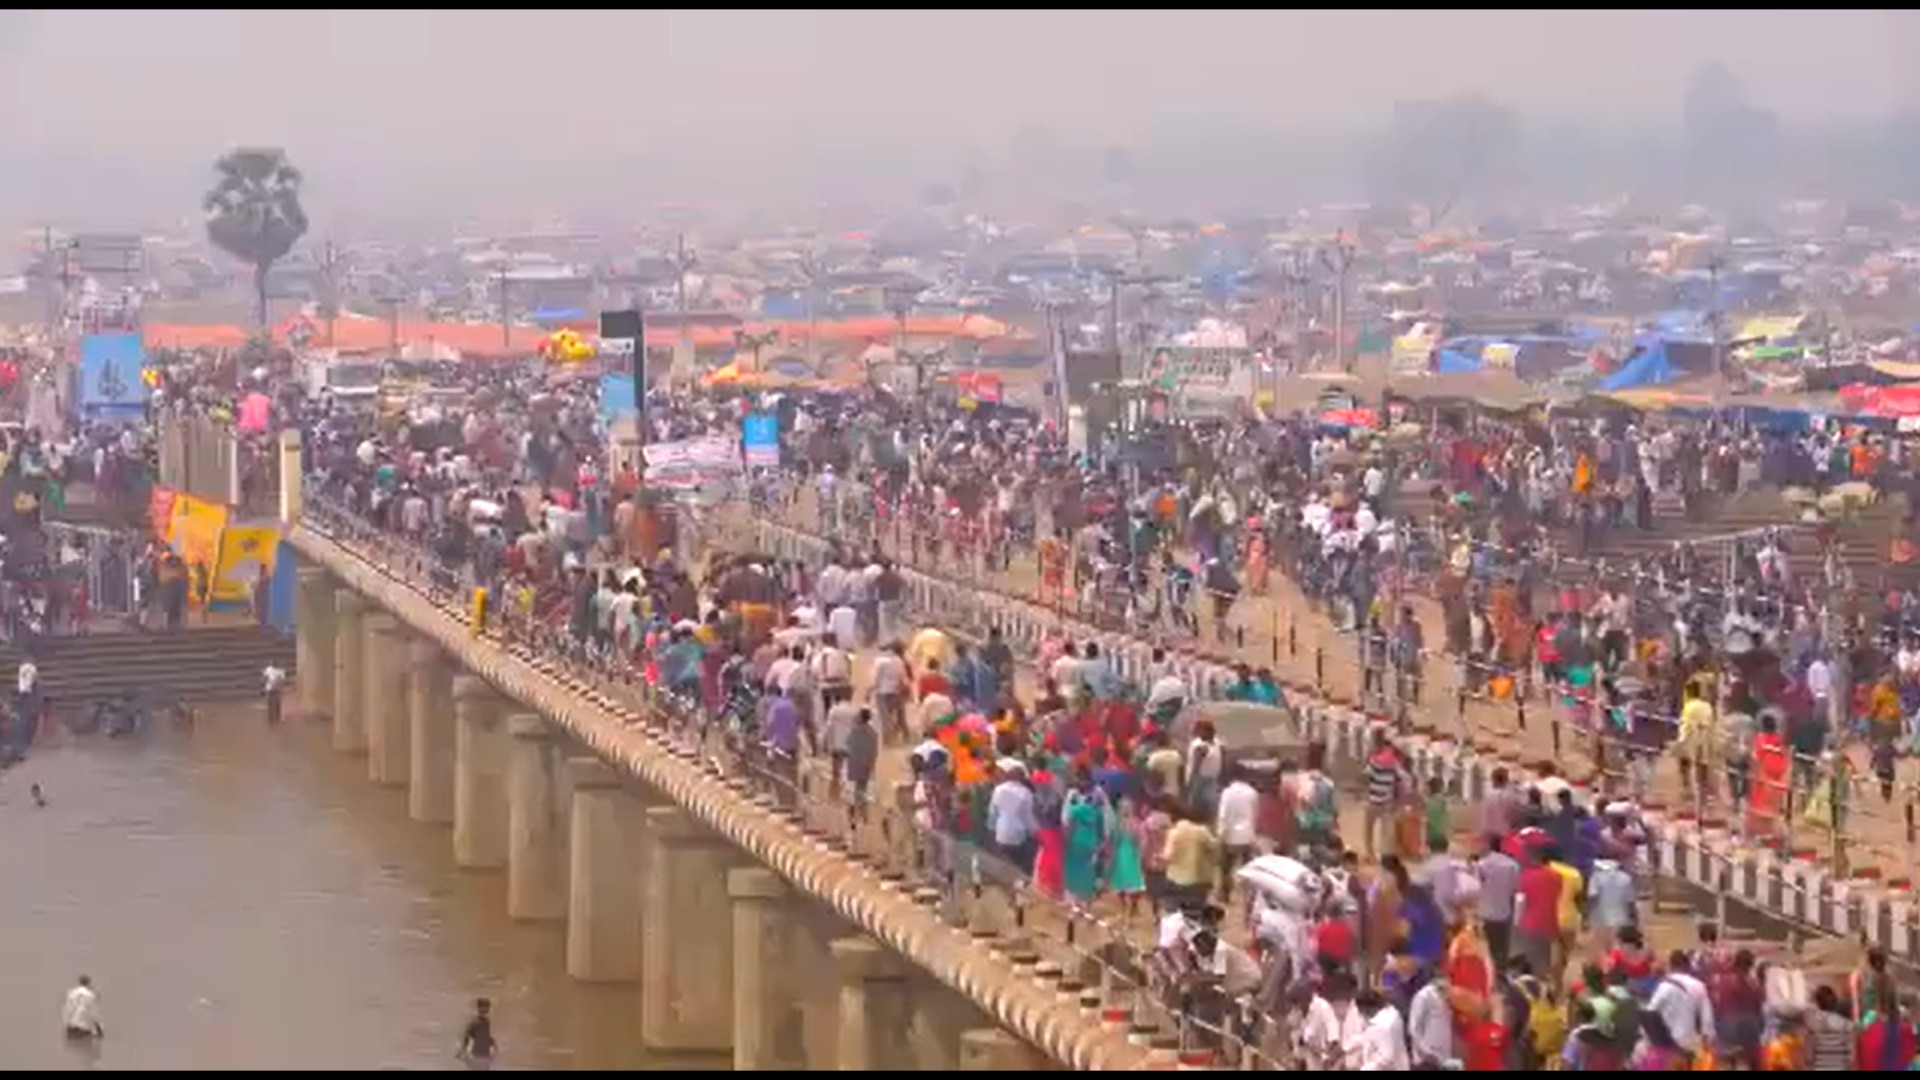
1648	367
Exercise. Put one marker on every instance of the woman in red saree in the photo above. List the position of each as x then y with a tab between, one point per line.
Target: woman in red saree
1476	1031
1050	862
1053	570
1770	765
1256	559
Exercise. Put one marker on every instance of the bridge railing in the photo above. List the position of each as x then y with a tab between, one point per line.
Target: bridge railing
1710	874
1099	959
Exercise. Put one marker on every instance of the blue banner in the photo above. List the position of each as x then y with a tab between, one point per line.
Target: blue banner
760	440
284	589
110	383
617	397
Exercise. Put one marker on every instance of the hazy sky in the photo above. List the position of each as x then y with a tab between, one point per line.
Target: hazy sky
386	93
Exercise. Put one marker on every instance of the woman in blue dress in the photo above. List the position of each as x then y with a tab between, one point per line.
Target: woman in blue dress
1125	875
1084	818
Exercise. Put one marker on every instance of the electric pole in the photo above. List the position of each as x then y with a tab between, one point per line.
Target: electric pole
1057	357
329	265
1713	317
1115	280
55	303
683	261
1340	262
900	297
920	359
506	312
755	342
810	272
393	323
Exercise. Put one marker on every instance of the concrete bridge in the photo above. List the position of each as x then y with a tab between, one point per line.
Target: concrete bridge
752	928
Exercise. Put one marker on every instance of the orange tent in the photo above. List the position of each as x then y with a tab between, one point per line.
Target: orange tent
484	340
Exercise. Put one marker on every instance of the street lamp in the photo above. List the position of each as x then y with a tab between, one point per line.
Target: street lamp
811	272
900	297
755	342
1340	262
920	360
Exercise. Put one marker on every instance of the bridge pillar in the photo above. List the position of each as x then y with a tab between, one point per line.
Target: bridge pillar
876	1009
770	977
686	999
536	827
349	679
313	642
479	776
431	739
604	891
386	700
941	1018
994	1050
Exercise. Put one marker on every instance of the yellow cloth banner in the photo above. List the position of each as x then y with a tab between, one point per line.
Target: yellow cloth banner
195	534
246	553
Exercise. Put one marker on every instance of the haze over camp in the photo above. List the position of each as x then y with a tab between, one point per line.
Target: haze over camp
946	540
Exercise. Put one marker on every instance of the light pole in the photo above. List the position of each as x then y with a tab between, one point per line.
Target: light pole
1057	358
393	322
1340	261
1713	316
755	342
811	272
506	312
683	260
330	260
900	298
920	359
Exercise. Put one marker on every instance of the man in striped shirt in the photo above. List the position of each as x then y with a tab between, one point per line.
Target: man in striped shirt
1830	1036
1386	784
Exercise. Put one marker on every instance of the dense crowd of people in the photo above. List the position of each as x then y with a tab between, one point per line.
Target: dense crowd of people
1369	928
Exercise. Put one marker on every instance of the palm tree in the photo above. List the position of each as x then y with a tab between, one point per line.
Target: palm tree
254	213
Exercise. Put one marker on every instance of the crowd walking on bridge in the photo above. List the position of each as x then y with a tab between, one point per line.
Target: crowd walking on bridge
1367	928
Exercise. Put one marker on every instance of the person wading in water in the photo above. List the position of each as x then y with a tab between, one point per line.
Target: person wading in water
81	1014
477	1047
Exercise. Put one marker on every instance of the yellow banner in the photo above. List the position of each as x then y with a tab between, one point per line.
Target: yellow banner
197	525
246	554
195	534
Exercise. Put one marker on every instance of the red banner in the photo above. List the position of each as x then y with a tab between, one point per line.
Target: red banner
160	512
978	386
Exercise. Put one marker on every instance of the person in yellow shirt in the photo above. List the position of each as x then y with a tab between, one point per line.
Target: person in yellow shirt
1193	859
1883	711
1700	746
1573	888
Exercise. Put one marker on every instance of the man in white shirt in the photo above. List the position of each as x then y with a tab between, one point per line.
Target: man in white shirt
1430	1026
1383	1045
1332	1030
273	683
1010	816
890	693
1066	674
1681	1000
1820	685
833	671
81	1013
843	626
1235	824
831	586
780	672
